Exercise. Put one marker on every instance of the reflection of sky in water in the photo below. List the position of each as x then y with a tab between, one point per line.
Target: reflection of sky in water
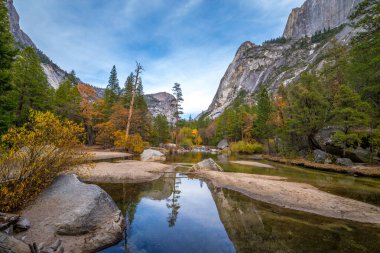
197	229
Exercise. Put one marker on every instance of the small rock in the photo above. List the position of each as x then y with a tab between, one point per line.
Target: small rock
208	164
151	155
22	224
223	144
344	162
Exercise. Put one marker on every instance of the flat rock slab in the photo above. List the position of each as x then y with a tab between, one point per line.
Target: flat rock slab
124	171
83	216
297	196
107	155
255	164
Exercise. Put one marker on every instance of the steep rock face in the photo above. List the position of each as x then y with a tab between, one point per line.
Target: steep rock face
161	103
54	74
276	63
317	15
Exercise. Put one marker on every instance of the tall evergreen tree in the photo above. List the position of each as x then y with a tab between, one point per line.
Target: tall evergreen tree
365	53
7	53
161	129
177	92
67	99
112	92
32	88
127	91
140	100
307	110
264	110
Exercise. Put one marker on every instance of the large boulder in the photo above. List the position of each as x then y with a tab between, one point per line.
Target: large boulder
9	244
344	162
208	164
82	216
320	156
151	155
223	144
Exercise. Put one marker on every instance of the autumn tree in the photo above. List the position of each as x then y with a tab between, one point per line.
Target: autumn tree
88	111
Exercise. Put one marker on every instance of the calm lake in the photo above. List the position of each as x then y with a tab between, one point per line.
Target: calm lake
181	214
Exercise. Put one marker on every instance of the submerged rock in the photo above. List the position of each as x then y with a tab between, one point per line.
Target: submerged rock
208	164
83	216
151	155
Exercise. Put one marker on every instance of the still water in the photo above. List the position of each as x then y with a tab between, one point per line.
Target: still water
181	214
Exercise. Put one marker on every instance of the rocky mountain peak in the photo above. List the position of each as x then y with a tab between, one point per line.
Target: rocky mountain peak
54	73
318	15
161	103
283	62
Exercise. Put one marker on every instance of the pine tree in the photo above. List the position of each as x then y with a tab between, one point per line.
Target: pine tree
177	92
364	57
127	92
264	110
112	92
140	100
32	88
67	99
161	129
7	53
349	110
307	110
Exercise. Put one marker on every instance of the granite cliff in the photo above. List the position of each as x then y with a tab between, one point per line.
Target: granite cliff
161	103
54	73
274	63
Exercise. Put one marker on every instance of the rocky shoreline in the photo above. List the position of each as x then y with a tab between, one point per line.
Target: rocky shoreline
298	196
357	170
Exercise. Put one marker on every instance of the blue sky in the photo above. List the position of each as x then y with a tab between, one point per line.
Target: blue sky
191	42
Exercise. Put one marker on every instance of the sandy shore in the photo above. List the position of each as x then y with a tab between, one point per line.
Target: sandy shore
298	196
107	155
123	171
255	164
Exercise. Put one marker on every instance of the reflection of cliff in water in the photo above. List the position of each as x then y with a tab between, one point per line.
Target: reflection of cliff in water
254	226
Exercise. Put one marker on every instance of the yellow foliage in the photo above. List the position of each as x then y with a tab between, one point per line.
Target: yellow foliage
134	143
246	148
34	154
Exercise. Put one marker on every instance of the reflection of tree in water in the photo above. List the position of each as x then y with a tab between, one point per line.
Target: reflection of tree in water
173	203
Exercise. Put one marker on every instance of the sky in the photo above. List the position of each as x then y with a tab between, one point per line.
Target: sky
190	42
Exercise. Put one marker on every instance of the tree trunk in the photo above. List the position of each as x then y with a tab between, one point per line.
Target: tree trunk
138	72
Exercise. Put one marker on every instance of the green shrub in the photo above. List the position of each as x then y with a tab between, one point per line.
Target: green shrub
186	143
246	148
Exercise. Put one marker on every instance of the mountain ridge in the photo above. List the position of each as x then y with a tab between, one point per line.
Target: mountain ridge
274	63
